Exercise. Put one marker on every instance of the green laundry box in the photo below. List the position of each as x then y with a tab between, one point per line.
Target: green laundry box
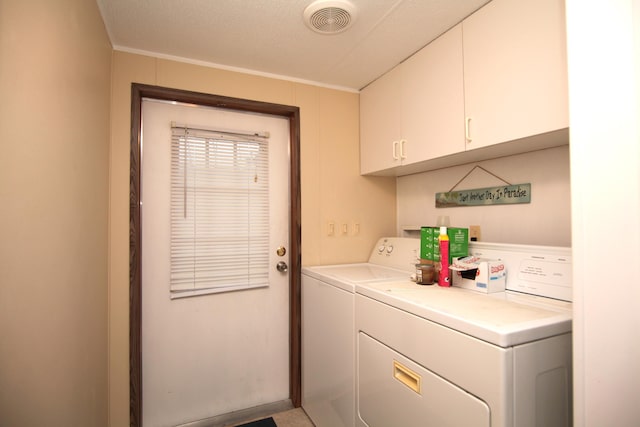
430	248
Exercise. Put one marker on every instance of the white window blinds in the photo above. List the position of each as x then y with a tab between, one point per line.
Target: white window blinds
219	211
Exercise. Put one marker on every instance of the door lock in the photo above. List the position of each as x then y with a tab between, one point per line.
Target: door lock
282	267
281	251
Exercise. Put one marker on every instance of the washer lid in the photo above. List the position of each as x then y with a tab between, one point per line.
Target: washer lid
359	273
346	276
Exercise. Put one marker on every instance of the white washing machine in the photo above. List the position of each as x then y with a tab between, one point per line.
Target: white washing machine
433	356
328	327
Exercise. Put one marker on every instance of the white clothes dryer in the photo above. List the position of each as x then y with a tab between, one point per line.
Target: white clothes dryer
434	356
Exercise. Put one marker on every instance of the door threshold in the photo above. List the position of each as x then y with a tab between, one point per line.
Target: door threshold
237	417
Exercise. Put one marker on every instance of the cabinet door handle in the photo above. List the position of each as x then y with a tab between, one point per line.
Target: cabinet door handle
403	154
406	376
467	131
395	150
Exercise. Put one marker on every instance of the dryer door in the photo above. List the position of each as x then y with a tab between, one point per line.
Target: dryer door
394	391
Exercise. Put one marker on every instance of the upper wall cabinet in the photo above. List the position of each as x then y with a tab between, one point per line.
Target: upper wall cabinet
381	123
433	97
494	85
515	72
413	113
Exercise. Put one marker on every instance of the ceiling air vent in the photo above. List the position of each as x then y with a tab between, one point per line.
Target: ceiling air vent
329	16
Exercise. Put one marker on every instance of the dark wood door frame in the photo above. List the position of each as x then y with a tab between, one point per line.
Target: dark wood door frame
138	92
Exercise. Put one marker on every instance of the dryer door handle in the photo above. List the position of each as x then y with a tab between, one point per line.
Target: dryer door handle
406	376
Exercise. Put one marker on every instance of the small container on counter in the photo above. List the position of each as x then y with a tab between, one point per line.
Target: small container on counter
425	274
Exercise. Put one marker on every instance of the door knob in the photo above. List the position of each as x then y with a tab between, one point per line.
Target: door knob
282	267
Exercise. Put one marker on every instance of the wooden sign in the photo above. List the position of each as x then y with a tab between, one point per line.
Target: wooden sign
504	195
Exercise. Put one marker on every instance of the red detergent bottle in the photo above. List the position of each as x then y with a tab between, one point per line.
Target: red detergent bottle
443	241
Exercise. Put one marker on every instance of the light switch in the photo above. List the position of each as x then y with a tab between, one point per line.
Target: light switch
356	228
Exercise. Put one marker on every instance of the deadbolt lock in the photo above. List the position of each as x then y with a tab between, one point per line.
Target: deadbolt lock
281	251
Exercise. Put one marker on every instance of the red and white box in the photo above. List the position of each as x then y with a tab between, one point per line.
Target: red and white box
479	274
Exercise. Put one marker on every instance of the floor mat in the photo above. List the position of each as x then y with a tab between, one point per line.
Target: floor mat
266	422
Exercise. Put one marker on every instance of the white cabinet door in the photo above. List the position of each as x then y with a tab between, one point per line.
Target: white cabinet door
515	72
380	123
414	112
433	100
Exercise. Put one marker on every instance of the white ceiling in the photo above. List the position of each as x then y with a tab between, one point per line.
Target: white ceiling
270	36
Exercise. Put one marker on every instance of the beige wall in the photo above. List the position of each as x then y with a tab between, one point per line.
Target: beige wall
54	138
544	221
332	190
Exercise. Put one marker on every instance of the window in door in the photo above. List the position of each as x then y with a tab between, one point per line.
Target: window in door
219	211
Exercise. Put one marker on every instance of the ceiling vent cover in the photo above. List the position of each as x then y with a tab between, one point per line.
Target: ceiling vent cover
329	16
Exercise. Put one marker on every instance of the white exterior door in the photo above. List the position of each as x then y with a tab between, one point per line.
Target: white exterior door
212	354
